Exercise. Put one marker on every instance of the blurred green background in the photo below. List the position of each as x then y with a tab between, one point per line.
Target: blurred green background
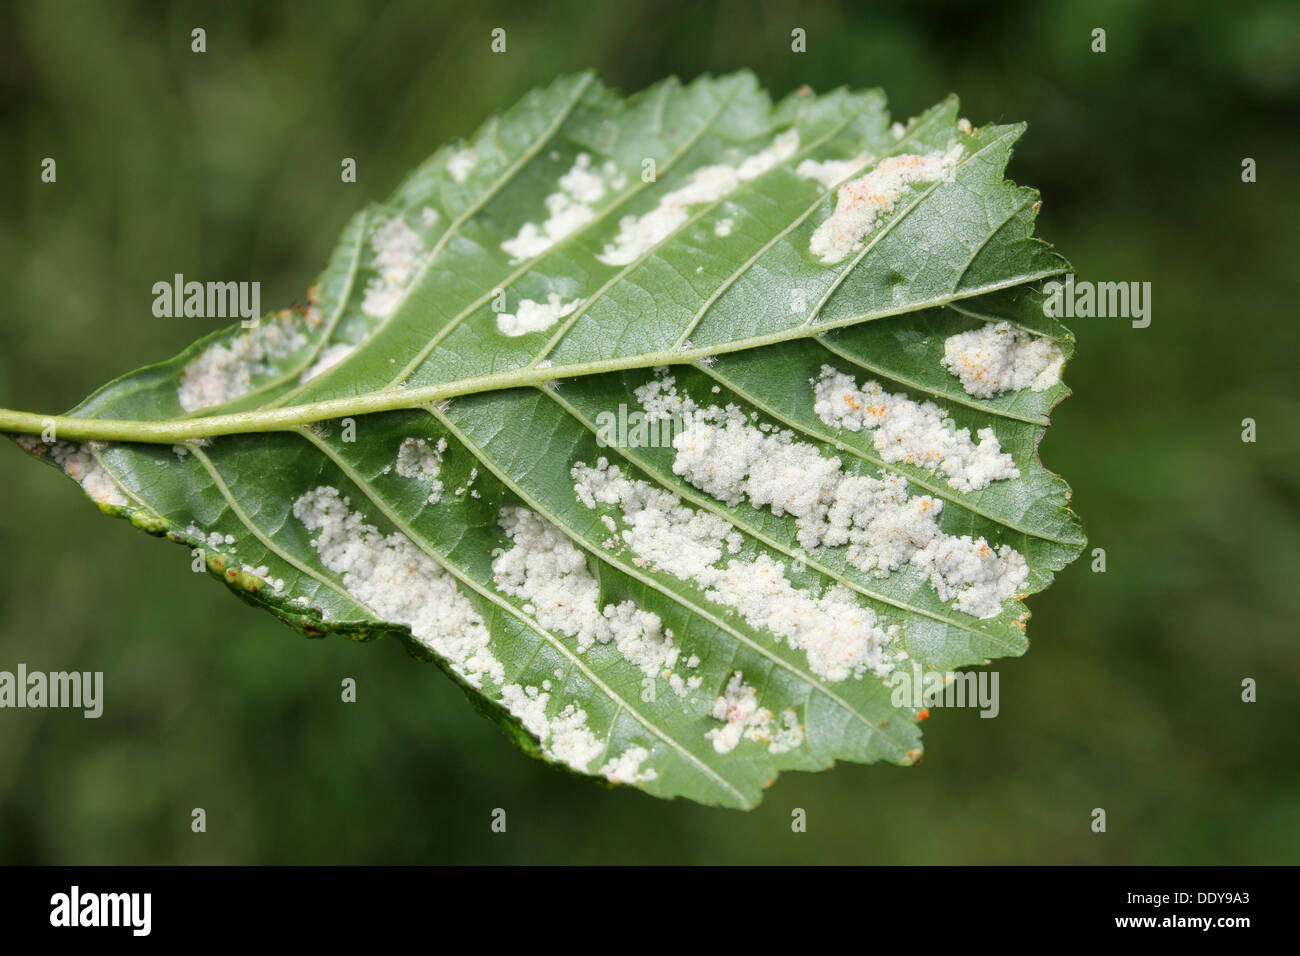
226	165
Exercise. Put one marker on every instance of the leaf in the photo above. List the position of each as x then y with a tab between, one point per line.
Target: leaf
737	584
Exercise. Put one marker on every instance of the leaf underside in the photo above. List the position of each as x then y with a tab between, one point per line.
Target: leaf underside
461	527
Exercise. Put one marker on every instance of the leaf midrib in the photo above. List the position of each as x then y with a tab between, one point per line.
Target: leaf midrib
276	417
172	430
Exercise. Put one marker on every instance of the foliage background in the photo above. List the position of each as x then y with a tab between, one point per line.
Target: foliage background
226	165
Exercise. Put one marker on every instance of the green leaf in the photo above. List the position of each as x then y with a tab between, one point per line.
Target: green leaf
585	415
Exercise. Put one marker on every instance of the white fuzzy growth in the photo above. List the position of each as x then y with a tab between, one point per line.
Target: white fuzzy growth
862	203
399	255
723	228
660	400
571	742
394	578
529	705
840	637
533	240
918	433
637	235
416	458
419	460
784	145
999	357
659	528
547	571
742	717
682	687
79	463
882	526
830	171
581	182
223	373
734	461
720	452
642	639
214	539
626	767
328	359
461	163
971	571
564	736
569	208
533	316
789	735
